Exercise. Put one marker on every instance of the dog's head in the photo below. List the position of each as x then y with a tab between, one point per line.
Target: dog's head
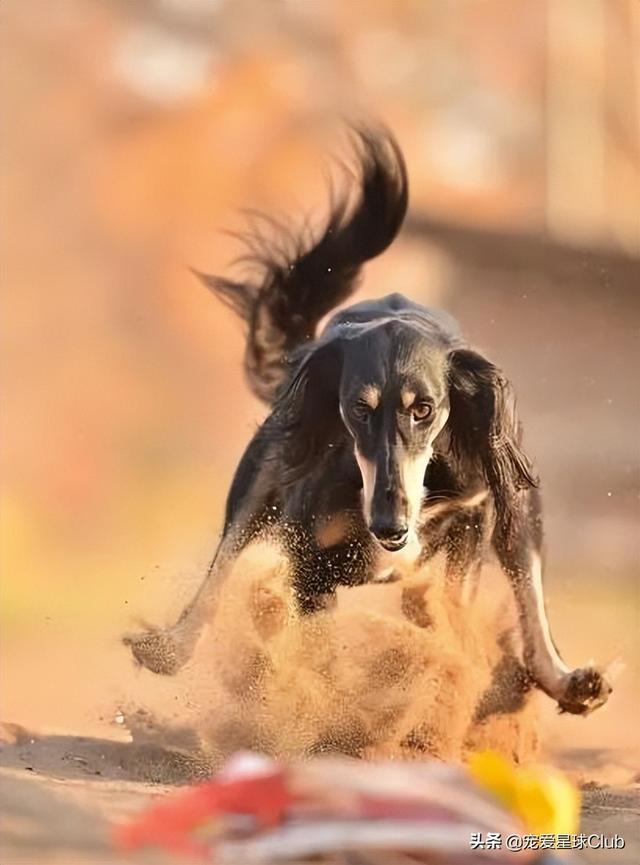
400	393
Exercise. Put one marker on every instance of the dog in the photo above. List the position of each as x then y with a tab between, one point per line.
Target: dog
388	438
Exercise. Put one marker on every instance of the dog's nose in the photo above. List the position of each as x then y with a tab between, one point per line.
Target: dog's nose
391	536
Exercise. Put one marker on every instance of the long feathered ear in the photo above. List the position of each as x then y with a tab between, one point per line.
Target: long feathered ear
308	409
484	429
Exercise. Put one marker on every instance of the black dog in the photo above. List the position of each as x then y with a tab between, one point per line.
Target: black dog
387	437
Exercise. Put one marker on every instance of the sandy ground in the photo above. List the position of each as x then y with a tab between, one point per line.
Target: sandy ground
60	795
386	674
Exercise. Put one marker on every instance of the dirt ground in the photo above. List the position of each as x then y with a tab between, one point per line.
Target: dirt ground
387	673
60	795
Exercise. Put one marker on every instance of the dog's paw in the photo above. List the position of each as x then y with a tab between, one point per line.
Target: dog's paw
158	651
585	690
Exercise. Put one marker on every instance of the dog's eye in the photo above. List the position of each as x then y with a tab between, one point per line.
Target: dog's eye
362	412
421	411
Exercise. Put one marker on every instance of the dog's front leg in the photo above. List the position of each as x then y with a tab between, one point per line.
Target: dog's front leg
578	691
167	650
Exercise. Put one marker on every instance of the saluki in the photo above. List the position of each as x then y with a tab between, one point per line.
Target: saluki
387	438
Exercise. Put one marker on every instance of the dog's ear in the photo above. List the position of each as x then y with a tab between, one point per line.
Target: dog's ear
484	430
308	408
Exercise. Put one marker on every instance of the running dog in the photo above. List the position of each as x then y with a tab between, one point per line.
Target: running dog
388	439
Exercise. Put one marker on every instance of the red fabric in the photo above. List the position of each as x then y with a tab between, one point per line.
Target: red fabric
170	824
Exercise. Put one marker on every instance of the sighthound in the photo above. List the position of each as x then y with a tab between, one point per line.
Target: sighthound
388	438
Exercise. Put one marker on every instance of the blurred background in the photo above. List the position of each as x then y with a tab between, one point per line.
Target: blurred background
137	130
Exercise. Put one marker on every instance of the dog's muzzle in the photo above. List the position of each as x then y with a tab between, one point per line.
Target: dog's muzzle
392	538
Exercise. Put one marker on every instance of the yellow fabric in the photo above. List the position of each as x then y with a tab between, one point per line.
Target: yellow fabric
543	797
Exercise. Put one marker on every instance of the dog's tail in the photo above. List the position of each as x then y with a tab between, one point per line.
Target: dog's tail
299	278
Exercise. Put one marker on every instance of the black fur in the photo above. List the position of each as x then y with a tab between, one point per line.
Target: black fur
485	433
300	279
300	473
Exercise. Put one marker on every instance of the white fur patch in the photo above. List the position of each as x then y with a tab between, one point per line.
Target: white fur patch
368	472
412	472
546	664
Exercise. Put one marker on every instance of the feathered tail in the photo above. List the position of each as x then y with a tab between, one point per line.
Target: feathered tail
299	279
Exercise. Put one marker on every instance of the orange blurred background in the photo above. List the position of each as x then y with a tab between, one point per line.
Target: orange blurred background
139	129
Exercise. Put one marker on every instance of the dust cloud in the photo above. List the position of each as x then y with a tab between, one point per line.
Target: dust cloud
403	670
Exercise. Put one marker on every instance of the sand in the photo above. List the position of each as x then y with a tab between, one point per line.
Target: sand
402	670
